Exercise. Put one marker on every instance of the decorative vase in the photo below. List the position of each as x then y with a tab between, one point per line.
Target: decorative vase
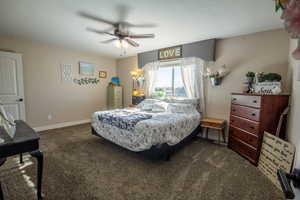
215	81
260	77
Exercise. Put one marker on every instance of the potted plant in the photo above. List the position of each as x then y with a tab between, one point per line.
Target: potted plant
260	77
272	77
250	77
215	78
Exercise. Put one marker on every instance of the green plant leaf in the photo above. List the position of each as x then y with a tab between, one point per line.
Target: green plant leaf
277	7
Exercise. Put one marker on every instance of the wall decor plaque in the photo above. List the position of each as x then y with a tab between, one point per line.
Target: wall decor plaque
86	81
102	74
267	88
275	154
170	53
66	73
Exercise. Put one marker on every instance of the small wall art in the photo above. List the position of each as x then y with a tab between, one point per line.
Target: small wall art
86	69
86	81
102	74
66	72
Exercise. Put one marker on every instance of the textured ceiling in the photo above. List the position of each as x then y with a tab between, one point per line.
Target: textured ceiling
178	21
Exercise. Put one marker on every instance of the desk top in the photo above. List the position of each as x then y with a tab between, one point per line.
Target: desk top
24	133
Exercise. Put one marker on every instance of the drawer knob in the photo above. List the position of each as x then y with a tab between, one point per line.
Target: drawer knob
254	101
234	99
253	114
233	110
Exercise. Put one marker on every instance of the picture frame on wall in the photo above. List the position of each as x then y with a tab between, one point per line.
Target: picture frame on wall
86	69
102	74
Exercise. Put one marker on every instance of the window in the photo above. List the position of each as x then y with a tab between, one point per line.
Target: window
169	82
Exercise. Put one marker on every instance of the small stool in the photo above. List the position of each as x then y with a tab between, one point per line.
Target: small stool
216	124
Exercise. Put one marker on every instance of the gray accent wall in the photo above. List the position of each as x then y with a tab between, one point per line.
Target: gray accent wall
147	57
202	49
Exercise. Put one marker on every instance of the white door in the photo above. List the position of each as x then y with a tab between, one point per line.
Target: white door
11	84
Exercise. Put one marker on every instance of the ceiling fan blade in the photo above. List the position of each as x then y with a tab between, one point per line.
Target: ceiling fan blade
142	36
99	32
149	25
132	43
109	41
93	17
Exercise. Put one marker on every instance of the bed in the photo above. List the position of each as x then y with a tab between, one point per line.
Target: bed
154	128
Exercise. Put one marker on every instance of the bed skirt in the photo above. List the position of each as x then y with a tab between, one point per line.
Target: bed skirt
163	151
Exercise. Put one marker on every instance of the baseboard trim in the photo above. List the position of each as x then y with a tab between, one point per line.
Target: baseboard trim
61	125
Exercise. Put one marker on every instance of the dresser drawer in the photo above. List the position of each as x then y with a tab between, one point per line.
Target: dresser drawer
244	136
246	112
247	125
244	100
243	149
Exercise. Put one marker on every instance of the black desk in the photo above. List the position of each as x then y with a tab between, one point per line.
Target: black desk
25	141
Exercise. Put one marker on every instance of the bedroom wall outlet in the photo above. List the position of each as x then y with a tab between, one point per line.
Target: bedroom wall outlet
49	117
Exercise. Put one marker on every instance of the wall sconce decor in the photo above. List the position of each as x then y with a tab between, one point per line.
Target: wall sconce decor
217	76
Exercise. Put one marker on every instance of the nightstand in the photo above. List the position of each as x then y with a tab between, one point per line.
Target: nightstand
137	99
216	124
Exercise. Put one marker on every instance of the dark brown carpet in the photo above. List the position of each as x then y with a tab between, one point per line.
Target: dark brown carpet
81	166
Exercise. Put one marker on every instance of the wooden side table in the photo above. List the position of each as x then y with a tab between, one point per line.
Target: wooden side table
216	124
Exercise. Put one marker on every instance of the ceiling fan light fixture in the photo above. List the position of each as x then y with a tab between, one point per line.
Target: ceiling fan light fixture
121	44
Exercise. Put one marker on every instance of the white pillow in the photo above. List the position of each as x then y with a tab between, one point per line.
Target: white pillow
193	101
181	108
144	104
159	107
153	105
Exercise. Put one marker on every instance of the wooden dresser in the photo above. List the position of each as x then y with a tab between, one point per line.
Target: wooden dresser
250	116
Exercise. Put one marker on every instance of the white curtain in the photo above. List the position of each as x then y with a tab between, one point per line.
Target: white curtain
150	73
192	71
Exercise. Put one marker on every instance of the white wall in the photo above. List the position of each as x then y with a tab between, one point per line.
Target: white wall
294	116
44	92
124	67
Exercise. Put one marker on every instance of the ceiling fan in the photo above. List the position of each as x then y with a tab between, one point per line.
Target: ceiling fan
119	31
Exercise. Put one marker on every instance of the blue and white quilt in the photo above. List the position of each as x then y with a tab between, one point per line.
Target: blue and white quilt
122	118
138	130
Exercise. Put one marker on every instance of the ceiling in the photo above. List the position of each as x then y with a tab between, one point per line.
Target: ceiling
178	21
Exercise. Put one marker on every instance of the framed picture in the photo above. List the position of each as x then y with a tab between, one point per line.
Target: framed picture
86	69
102	74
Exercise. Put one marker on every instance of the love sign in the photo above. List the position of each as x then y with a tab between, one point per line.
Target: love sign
170	53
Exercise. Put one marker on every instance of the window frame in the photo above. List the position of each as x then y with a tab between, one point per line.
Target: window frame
172	65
